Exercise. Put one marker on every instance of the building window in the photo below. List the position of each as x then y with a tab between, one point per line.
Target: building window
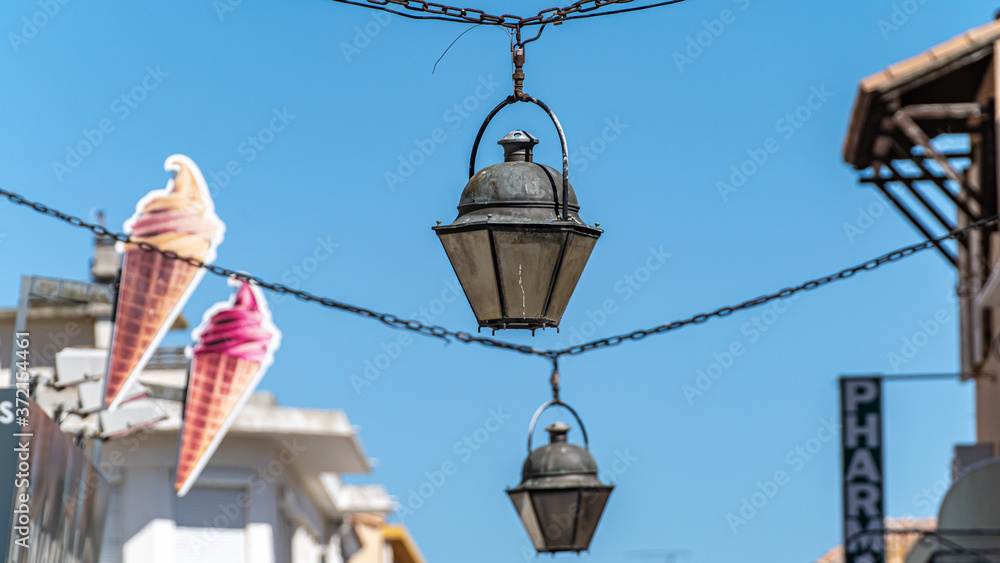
211	526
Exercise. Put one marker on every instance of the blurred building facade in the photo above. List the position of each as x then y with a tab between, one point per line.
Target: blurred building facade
897	545
272	493
923	133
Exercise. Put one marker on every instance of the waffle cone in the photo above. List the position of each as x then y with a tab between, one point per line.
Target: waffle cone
217	383
151	287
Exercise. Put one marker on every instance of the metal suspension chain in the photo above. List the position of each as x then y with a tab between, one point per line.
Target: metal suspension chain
387	319
553	355
810	285
444	12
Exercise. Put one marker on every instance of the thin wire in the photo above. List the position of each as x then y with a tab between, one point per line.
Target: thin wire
620	11
393	321
506	31
404	14
452	43
461	15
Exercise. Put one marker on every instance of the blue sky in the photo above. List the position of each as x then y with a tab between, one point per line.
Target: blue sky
311	105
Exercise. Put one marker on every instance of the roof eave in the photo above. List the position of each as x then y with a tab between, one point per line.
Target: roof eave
864	125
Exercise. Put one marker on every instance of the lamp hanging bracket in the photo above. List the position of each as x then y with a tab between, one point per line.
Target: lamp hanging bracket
512	99
554	380
517	57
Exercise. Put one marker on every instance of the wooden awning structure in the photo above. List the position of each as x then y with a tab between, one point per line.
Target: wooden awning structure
946	90
901	117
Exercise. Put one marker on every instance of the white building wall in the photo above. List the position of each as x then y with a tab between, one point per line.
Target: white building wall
261	543
142	520
148	520
304	547
151	529
211	525
332	550
151	544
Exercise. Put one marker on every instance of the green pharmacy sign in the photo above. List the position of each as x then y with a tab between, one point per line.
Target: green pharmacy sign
862	469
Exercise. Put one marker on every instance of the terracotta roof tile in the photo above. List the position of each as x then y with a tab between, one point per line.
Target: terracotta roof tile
905	71
953	47
987	32
911	65
872	82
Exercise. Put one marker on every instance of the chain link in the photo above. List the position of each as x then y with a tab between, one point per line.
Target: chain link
810	285
472	15
387	319
443	333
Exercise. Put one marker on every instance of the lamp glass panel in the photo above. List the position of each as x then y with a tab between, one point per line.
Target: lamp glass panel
578	250
556	510
526	512
471	257
592	503
527	262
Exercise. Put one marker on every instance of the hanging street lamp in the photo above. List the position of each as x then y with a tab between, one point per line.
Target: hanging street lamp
518	245
560	499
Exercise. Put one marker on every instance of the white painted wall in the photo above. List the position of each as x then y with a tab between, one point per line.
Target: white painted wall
147	508
142	515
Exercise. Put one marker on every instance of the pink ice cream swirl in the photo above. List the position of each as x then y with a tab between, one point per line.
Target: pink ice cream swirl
237	331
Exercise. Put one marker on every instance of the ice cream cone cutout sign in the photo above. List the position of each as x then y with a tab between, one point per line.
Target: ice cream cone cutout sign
235	345
154	288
